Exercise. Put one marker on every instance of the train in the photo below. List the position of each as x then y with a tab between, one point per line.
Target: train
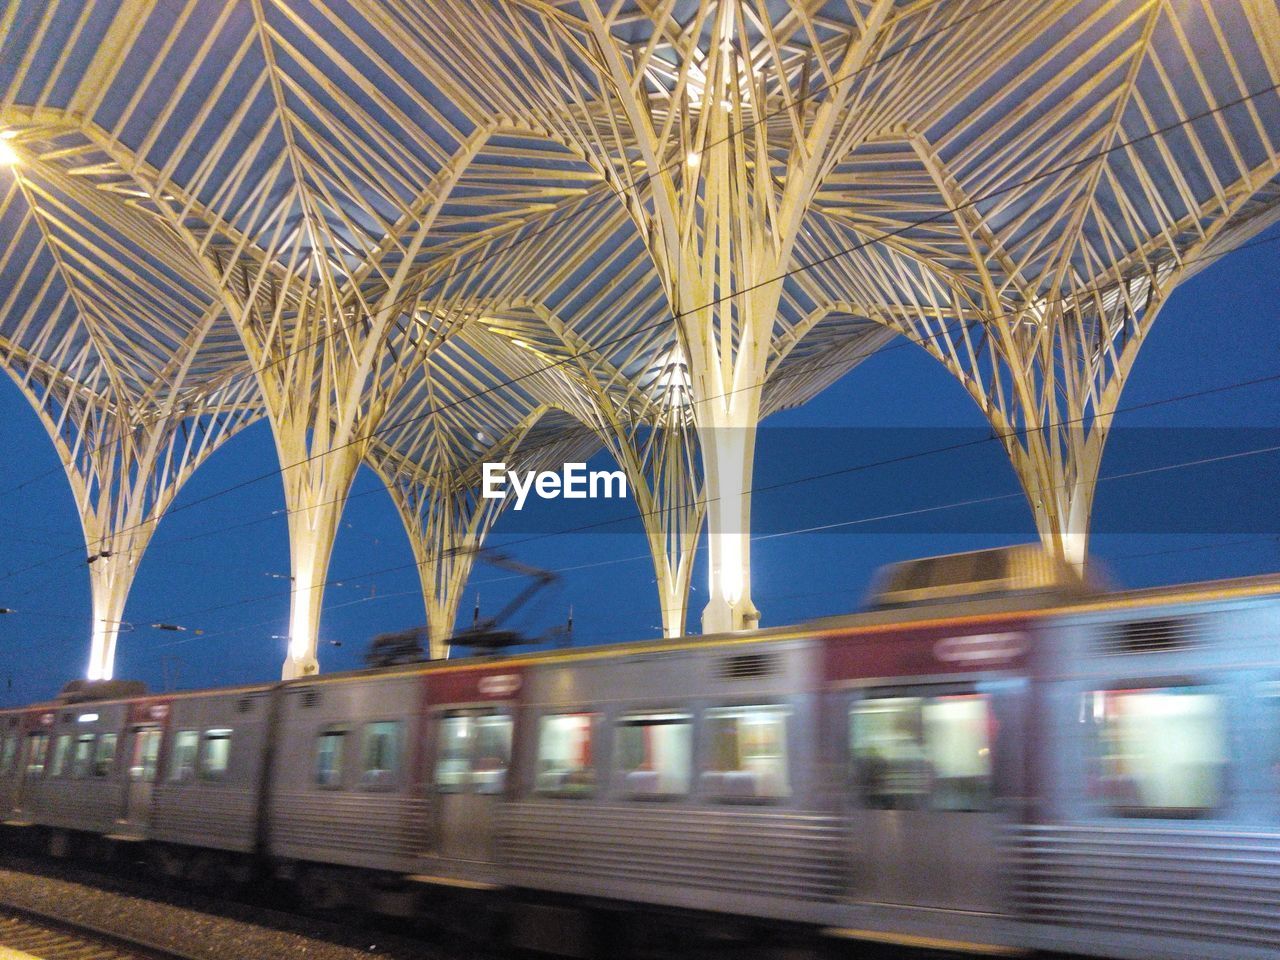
990	758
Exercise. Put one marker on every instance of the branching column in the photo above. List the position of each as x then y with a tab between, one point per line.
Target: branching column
648	427
317	339
1046	360
722	232
123	479
130	425
442	506
446	528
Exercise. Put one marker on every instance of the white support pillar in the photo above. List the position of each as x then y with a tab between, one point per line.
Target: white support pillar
311	534
443	581
728	454
721	211
111	575
316	491
446	522
1062	500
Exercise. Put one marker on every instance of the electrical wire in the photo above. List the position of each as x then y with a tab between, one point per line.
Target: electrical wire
607	197
946	212
799	531
793	271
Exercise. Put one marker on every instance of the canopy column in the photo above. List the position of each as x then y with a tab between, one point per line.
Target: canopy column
315	500
720	197
647	425
435	477
446	529
111	575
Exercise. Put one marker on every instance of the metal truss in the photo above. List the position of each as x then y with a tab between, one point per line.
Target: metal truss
136	376
446	516
648	223
1040	173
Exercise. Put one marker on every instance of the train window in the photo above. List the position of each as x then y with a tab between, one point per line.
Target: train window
474	752
83	756
923	753
492	753
215	754
655	754
37	751
565	765
61	748
329	758
182	765
1158	751
7	749
146	756
105	758
748	753
453	765
381	754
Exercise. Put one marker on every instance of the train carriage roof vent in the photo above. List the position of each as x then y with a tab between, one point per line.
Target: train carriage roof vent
748	666
1149	636
1025	568
308	696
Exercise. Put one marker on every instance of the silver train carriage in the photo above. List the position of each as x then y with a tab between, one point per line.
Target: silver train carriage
1093	774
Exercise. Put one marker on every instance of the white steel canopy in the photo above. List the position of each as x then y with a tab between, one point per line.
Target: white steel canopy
393	227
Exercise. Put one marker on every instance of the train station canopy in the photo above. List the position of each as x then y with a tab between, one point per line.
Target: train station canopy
409	232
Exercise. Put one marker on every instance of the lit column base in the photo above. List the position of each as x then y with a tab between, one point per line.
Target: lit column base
304	667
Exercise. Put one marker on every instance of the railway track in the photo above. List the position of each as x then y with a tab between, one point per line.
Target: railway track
123	904
49	938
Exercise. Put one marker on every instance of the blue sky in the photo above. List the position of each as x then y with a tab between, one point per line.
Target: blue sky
1219	328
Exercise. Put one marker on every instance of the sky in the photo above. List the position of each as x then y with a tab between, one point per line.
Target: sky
221	567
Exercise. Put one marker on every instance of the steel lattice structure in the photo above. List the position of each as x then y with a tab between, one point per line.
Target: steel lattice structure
418	235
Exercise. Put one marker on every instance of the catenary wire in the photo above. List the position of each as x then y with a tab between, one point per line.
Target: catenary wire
607	197
795	270
777	486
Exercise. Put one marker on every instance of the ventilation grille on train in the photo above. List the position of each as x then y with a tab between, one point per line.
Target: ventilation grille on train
245	704
309	696
1149	636
748	666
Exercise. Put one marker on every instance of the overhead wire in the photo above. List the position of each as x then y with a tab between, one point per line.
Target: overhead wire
904	340
814	529
607	197
799	268
796	481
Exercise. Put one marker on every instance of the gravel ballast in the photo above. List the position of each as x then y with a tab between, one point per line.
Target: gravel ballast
180	929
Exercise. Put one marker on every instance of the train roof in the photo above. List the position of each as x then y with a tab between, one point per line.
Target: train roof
1022	606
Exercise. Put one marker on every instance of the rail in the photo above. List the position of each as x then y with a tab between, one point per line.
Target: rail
44	936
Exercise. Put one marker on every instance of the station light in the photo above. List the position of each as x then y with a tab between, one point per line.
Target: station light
8	156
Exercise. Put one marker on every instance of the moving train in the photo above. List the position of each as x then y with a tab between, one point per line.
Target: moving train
993	758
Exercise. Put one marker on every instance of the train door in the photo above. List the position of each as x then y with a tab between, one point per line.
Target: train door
10	768
926	761
143	766
473	752
33	757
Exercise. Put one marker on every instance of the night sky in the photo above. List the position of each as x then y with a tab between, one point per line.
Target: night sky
1220	328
